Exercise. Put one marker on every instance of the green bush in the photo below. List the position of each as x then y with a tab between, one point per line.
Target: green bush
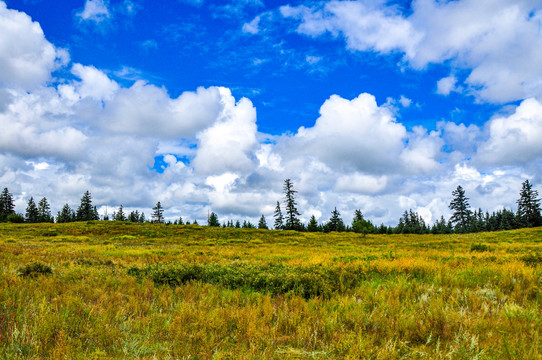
310	281
35	269
480	248
15	218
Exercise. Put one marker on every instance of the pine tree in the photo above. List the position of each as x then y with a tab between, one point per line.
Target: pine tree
262	224
213	220
335	222
7	205
65	215
279	219
86	211
313	224
181	222
31	215
528	213
237	224
44	211
462	214
158	213
120	216
292	220
358	215
142	217
134	216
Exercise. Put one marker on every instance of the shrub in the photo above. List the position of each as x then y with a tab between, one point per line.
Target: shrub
306	281
15	218
35	269
480	247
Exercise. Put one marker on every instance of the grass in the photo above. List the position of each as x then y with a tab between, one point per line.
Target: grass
118	290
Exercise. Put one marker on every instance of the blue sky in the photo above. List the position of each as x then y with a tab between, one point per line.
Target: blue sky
377	105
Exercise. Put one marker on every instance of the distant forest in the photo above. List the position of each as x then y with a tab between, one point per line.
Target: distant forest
463	219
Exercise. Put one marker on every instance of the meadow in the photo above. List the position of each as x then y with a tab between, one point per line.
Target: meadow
114	290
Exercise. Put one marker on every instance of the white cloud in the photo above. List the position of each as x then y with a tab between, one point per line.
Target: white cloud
497	41
361	183
404	101
364	26
447	85
230	143
95	10
147	110
94	83
252	27
26	57
515	139
353	133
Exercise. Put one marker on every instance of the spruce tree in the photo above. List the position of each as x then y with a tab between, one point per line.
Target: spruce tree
44	211
31	215
134	216
462	213
292	220
528	214
158	213
262	224
120	216
358	215
7	205
335	222
279	219
213	220
86	211
65	215
313	224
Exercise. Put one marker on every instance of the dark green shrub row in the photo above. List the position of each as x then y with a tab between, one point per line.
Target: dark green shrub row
307	282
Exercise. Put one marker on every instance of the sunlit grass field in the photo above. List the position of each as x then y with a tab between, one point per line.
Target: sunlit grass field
148	291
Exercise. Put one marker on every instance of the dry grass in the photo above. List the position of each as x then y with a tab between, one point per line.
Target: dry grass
254	294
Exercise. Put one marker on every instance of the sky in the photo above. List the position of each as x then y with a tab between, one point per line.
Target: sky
382	106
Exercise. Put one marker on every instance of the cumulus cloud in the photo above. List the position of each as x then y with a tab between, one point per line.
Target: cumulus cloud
147	110
497	41
353	133
361	136
94	83
514	139
26	57
228	145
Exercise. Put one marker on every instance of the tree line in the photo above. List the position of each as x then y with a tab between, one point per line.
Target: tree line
463	219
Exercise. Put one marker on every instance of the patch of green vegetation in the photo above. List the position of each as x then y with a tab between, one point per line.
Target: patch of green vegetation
35	269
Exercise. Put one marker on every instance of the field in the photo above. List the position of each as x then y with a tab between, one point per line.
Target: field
121	290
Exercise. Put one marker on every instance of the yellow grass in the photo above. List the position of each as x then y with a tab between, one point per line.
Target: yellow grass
116	291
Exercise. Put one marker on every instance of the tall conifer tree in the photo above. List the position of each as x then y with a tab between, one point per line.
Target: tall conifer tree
292	220
462	213
528	213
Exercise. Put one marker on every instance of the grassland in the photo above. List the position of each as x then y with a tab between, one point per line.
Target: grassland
120	290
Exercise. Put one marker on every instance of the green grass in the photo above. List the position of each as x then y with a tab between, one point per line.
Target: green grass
118	290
